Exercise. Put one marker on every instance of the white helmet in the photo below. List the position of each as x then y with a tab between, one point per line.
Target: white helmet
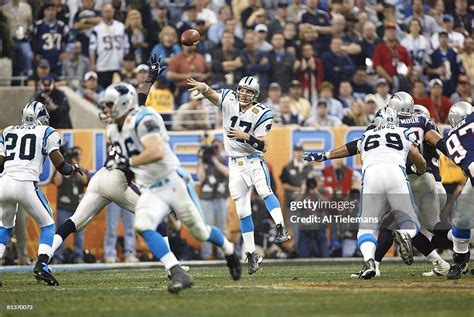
35	113
386	115
402	103
122	97
458	112
248	82
421	111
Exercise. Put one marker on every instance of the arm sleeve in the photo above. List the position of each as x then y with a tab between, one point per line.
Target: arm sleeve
224	94
150	123
52	140
263	124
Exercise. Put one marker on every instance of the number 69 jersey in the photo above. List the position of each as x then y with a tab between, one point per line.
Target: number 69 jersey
257	120
139	124
385	144
460	144
25	148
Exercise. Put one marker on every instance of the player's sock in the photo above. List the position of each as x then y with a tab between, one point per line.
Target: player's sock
46	240
434	256
247	229
367	245
63	231
440	238
159	248
422	244
384	243
57	240
217	238
461	238
5	234
273	207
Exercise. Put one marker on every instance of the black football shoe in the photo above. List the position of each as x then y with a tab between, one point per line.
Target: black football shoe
281	234
253	259
44	273
234	265
460	265
368	270
403	240
180	280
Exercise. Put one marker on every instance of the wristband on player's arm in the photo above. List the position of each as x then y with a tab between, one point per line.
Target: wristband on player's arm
352	147
256	143
441	146
65	168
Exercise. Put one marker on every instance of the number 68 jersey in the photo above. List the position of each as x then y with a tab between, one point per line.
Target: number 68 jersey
386	144
460	144
25	148
256	120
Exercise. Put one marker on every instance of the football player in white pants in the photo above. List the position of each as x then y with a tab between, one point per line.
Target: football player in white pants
23	149
247	124
141	139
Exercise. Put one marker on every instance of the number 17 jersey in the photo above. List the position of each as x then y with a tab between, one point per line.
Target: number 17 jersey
256	120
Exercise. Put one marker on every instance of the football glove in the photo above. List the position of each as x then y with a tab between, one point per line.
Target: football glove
156	69
315	156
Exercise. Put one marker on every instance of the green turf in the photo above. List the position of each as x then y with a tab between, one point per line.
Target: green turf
324	290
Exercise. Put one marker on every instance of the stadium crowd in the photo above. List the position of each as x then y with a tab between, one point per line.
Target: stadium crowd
320	63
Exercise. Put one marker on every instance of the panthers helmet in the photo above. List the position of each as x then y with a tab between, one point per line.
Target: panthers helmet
386	115
121	97
402	103
421	111
35	113
248	82
458	112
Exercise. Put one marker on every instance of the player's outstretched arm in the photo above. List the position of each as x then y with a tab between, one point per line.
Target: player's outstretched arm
62	166
435	139
349	149
153	150
204	89
415	156
156	69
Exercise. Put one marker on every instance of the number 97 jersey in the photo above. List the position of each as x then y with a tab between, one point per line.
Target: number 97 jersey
256	120
460	144
387	144
25	148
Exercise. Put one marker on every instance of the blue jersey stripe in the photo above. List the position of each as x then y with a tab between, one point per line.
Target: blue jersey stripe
1	139
264	117
141	115
47	134
225	92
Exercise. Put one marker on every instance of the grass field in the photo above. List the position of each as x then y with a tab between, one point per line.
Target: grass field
320	289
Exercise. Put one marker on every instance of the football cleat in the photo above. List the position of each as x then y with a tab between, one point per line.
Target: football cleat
184	267
44	273
234	265
253	259
281	234
180	280
368	270
460	265
440	268
377	272
403	240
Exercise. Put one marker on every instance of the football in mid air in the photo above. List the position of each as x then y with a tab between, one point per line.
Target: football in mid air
190	37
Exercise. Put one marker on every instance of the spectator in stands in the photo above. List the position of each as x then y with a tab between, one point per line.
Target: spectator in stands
371	107
390	18
190	11
367	44
191	115
50	38
127	73
232	27
168	46
337	65
345	94
455	39
253	15
187	64
261	30
286	116
255	61
323	118
70	192
217	29
306	35
62	11
360	85
429	26
392	61
417	45
298	103
419	93
56	104
120	11
437	104
42	71
205	46
349	46
108	46
84	20
356	116
204	13
20	20
444	63
226	64
137	36
159	22
75	66
91	90
294	10
463	18
6	50
463	91
273	99
141	74
213	173
382	93
161	98
309	72
326	94
467	58
278	22
320	20
290	32
281	62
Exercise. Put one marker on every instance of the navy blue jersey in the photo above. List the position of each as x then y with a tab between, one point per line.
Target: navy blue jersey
49	41
460	144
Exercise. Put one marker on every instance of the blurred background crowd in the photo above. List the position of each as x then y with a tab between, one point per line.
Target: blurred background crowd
320	63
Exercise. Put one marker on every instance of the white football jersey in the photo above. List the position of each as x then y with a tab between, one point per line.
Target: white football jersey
25	148
140	123
256	120
386	144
